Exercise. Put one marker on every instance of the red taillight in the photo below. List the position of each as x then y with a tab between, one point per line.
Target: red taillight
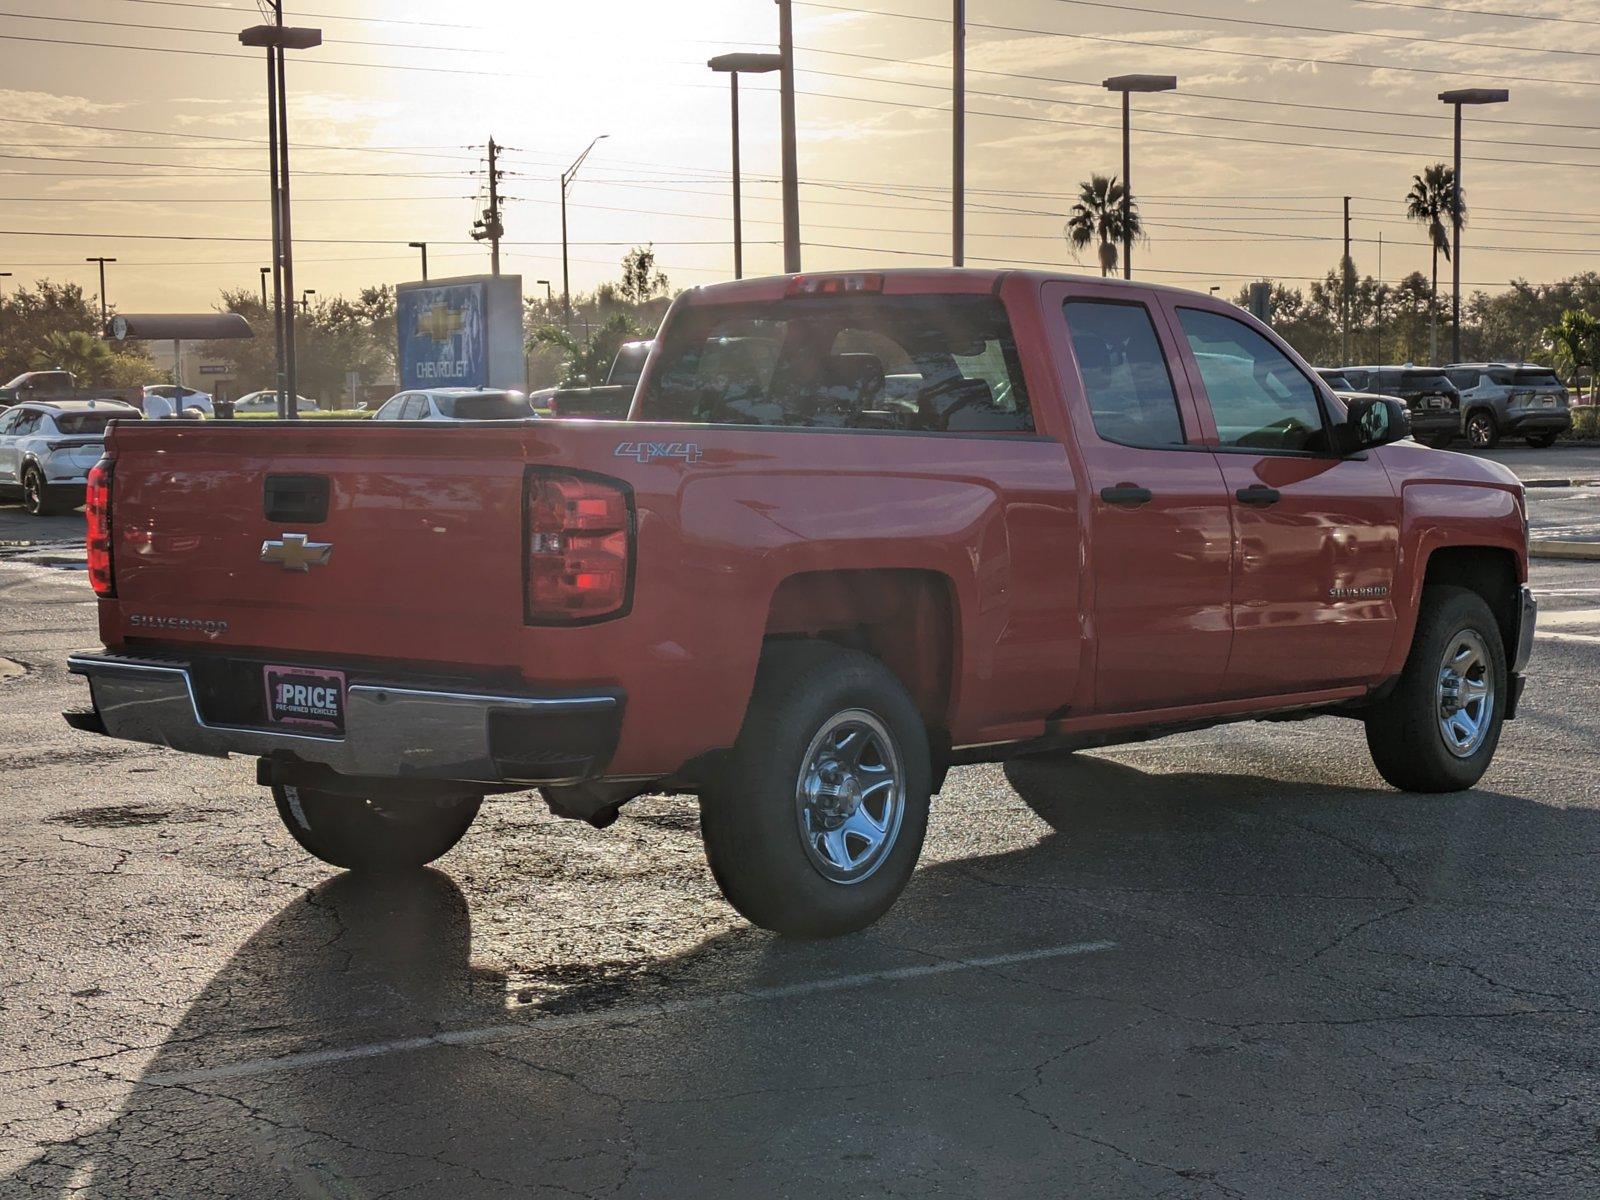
97	511
580	547
834	285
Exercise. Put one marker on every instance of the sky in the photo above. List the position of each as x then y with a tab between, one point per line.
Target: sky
157	156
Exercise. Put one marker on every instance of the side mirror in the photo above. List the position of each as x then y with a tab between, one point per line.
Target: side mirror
1373	421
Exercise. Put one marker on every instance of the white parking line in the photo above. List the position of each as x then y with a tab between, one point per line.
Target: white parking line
1576	639
479	1035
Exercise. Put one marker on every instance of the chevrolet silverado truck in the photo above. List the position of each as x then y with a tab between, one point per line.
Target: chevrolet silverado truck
857	530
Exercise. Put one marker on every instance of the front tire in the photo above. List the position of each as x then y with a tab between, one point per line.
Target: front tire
1483	431
361	833
814	825
1437	731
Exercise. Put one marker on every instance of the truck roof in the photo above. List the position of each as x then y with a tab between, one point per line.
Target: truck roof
911	281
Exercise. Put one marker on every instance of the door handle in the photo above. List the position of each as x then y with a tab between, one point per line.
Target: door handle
1258	493
1126	494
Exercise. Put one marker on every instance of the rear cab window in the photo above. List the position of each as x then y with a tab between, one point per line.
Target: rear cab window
912	364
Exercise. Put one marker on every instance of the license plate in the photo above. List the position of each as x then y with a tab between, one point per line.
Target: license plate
305	698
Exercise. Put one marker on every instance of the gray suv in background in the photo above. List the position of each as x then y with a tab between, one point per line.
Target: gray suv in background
1430	396
1510	400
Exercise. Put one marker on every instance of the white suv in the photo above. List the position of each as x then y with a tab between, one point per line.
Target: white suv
457	404
46	449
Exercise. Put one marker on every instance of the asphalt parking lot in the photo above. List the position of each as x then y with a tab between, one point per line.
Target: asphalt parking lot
1231	963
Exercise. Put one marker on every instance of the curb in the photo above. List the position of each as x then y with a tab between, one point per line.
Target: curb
1578	551
1559	483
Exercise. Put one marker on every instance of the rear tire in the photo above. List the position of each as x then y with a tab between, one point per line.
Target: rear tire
1437	731
361	833
814	825
36	496
1483	431
1542	441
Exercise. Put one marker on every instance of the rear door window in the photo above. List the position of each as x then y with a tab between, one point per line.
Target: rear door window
1124	371
1259	399
913	364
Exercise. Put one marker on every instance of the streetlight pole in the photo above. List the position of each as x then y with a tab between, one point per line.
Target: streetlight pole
422	246
278	38
549	297
732	65
958	135
1127	85
102	262
4	275
265	271
305	299
1456	99
567	177
791	168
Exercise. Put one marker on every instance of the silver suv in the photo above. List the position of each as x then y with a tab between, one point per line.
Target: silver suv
1510	400
46	449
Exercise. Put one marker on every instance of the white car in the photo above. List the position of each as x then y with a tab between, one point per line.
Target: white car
457	404
266	401
47	449
167	399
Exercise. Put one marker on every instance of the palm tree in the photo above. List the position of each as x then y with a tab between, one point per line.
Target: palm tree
1097	216
1431	202
1575	338
85	355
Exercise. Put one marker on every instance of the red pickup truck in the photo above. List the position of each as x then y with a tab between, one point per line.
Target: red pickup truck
858	529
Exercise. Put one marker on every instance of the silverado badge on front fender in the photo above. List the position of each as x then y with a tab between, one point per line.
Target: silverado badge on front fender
293	552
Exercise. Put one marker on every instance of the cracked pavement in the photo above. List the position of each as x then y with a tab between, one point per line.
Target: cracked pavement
1318	987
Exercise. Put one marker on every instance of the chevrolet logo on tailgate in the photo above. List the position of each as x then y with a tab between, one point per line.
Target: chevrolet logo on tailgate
293	552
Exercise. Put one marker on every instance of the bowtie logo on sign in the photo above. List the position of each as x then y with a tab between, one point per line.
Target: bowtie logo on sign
439	322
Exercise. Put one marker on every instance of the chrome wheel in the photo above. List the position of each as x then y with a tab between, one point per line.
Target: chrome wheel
1466	694
850	797
1480	431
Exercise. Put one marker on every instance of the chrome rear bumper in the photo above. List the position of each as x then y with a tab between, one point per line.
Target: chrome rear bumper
390	731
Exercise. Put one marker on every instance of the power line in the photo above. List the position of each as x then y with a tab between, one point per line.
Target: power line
228	33
1093	37
230	10
1361	33
1456	11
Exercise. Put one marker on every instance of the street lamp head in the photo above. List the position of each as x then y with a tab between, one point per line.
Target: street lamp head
1141	83
546	282
418	245
1476	96
100	260
746	64
285	37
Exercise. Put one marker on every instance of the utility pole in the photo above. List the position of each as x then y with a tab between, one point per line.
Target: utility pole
102	262
958	135
791	167
1344	288
489	227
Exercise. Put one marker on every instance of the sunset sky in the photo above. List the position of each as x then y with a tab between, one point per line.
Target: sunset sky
124	152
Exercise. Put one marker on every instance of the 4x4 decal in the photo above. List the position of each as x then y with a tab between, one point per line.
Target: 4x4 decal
646	452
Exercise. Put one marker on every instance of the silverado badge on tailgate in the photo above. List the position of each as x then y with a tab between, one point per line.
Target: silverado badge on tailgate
305	696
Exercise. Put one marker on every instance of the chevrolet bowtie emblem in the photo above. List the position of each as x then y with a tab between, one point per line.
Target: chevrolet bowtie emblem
293	552
439	323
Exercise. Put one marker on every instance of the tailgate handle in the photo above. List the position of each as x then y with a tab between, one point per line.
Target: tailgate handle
296	499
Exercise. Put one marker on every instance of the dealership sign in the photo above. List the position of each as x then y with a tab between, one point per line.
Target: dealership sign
443	336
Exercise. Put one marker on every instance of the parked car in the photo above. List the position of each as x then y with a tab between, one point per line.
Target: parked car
171	400
1434	403
62	385
457	404
266	401
1511	400
1089	512
47	449
1336	380
612	399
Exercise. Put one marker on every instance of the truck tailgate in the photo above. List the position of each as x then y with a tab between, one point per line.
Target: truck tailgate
423	533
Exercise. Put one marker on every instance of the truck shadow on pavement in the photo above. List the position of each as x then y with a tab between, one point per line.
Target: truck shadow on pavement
1295	948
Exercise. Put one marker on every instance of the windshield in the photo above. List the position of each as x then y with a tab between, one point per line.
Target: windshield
1335	380
489	406
944	364
94	422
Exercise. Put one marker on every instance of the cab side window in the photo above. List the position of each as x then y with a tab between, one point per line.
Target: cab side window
1125	374
1259	399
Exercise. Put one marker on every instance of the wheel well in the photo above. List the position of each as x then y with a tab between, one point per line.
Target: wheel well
903	618
1480	407
1487	570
